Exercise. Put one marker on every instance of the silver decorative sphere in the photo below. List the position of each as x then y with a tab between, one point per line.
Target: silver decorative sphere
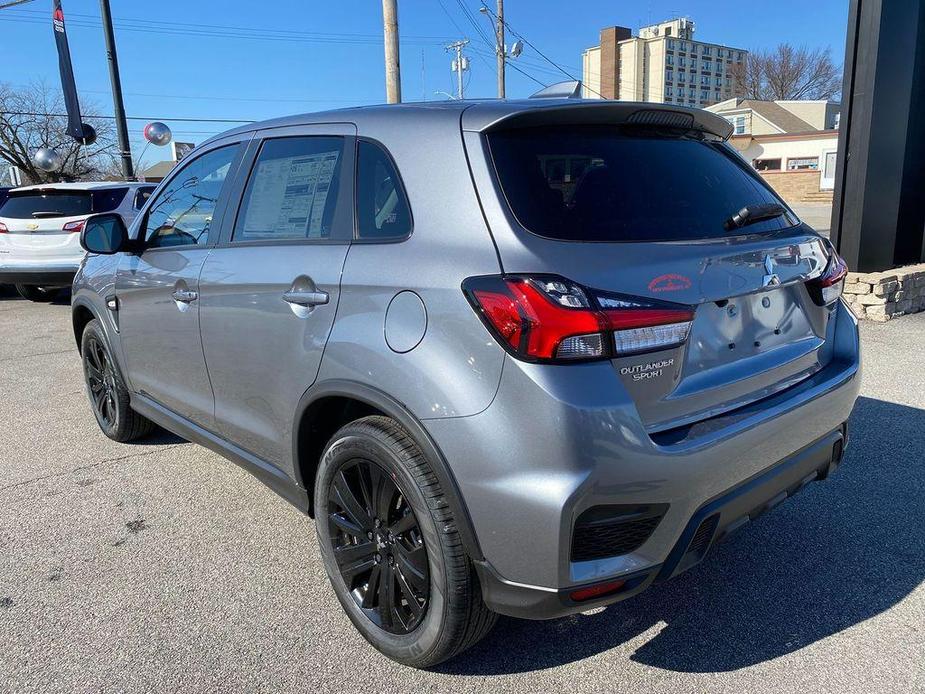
158	133
47	159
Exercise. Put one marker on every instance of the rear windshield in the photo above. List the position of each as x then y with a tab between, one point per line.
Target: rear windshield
44	204
604	183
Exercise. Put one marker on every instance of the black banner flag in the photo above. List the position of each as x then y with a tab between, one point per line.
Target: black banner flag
76	128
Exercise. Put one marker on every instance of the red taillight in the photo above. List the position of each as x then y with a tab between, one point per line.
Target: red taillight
552	319
74	227
3	229
826	288
598	591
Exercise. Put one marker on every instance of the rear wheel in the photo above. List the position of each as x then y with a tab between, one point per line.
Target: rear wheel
108	395
35	293
391	548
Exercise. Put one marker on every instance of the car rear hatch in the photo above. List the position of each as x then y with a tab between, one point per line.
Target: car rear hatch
43	222
634	204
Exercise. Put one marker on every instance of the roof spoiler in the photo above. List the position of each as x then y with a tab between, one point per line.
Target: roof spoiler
570	89
600	112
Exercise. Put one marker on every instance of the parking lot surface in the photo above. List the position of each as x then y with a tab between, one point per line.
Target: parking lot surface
162	567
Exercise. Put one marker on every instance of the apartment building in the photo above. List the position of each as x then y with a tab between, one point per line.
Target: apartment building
664	63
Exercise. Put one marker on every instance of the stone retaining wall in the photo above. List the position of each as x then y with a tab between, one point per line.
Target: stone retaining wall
881	296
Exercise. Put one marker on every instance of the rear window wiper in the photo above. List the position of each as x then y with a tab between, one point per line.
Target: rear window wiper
754	213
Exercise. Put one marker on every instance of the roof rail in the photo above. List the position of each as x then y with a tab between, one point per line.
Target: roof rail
570	89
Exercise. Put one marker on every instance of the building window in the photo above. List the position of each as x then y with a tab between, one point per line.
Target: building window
693	63
707	66
740	57
669	91
681	77
803	164
691	93
767	164
669	59
716	96
738	123
719	82
704	95
671	44
669	76
682	61
707	50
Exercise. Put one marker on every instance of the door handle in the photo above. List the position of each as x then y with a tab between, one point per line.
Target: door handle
306	298
185	296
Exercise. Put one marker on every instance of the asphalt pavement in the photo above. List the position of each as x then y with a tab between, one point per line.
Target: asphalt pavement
161	567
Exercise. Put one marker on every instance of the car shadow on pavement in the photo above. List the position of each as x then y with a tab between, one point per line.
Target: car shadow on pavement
839	553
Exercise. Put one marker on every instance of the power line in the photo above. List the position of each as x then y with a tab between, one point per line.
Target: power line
218	30
543	55
146	118
477	53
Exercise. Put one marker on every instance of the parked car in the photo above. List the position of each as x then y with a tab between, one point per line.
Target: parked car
40	230
518	357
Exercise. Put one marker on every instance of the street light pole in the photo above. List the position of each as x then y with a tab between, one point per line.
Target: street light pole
125	150
392	67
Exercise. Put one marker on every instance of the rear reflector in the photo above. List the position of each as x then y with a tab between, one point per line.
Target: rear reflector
74	227
544	318
598	591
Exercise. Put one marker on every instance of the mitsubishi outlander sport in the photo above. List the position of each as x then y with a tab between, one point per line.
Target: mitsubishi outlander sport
517	357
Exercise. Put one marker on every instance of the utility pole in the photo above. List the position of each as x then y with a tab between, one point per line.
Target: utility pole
392	67
499	49
460	65
118	107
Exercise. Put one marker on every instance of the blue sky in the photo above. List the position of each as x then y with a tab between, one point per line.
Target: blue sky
254	60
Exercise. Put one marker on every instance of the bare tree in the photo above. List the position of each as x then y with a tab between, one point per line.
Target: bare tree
31	118
787	72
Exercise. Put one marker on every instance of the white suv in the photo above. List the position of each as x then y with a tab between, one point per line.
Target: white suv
40	230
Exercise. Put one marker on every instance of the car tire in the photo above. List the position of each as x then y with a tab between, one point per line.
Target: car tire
35	293
109	398
418	533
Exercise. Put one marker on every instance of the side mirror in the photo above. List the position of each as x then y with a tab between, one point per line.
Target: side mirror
104	234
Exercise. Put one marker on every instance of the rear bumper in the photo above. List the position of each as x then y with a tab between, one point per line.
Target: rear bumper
558	441
49	276
711	523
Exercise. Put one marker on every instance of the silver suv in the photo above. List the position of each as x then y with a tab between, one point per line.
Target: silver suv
524	357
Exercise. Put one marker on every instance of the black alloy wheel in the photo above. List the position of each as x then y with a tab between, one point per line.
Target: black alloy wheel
378	546
101	380
109	397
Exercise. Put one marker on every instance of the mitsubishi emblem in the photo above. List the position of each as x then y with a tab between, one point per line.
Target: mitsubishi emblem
770	277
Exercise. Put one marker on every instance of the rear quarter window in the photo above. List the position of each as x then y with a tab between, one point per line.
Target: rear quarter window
603	183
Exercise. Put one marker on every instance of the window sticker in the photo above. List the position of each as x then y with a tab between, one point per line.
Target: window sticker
289	196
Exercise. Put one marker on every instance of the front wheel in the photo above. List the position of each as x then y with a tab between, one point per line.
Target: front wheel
391	548
36	293
108	394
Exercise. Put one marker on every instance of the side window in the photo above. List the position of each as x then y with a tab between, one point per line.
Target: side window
142	195
382	208
292	190
182	213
